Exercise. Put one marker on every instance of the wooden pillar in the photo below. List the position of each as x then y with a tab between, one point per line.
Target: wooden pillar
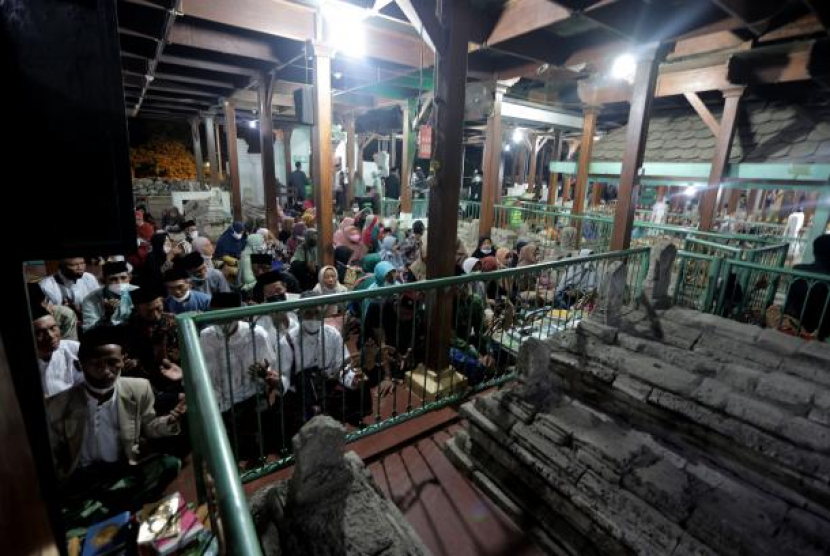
586	145
197	150
321	147
642	96
266	142
493	165
566	189
233	159
210	135
220	171
287	130
351	164
553	179
534	154
723	146
734	201
450	83
752	202
393	151
596	194
406	162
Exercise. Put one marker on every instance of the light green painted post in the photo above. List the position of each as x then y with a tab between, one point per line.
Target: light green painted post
820	219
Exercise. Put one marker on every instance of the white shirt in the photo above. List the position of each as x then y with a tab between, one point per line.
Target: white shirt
324	351
101	438
57	288
241	350
60	372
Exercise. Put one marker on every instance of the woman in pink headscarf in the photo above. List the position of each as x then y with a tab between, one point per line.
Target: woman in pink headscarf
353	242
340	234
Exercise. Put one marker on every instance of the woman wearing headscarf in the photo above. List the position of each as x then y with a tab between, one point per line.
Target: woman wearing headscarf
271	245
297	237
204	247
370	233
484	249
505	258
328	284
389	251
353	242
287	227
255	244
232	241
340	234
308	218
527	256
304	261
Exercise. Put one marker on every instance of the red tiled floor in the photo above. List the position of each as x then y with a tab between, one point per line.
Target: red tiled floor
451	515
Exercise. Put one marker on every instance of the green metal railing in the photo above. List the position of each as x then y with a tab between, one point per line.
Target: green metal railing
492	315
793	301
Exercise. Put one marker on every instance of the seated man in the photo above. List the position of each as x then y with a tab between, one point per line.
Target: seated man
70	284
96	432
109	305
57	359
231	351
202	279
180	297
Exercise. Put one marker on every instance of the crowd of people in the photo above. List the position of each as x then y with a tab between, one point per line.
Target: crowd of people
109	357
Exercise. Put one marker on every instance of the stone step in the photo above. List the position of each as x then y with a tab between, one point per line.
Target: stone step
762	423
598	487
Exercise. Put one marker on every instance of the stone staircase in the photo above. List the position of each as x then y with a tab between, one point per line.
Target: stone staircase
664	432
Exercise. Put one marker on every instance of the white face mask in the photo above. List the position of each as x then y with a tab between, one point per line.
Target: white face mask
311	326
183	298
194	234
167	249
236	235
117	289
486	251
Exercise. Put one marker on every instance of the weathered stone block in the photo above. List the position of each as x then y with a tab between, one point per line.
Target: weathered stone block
806	433
755	412
817	351
664	376
633	387
740	377
778	342
663	486
712	393
785	389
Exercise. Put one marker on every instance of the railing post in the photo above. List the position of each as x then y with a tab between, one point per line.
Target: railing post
711	284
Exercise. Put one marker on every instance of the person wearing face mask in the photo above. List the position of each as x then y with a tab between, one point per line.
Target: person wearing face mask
205	248
389	251
254	246
109	305
97	429
273	287
485	248
240	364
203	279
304	261
316	355
190	230
180	297
353	241
70	284
232	241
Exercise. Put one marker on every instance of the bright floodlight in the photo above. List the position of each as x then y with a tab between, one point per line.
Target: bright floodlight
624	67
252	124
344	28
507	148
518	136
690	191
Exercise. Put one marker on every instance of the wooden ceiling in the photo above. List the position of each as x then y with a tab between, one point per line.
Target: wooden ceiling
182	57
